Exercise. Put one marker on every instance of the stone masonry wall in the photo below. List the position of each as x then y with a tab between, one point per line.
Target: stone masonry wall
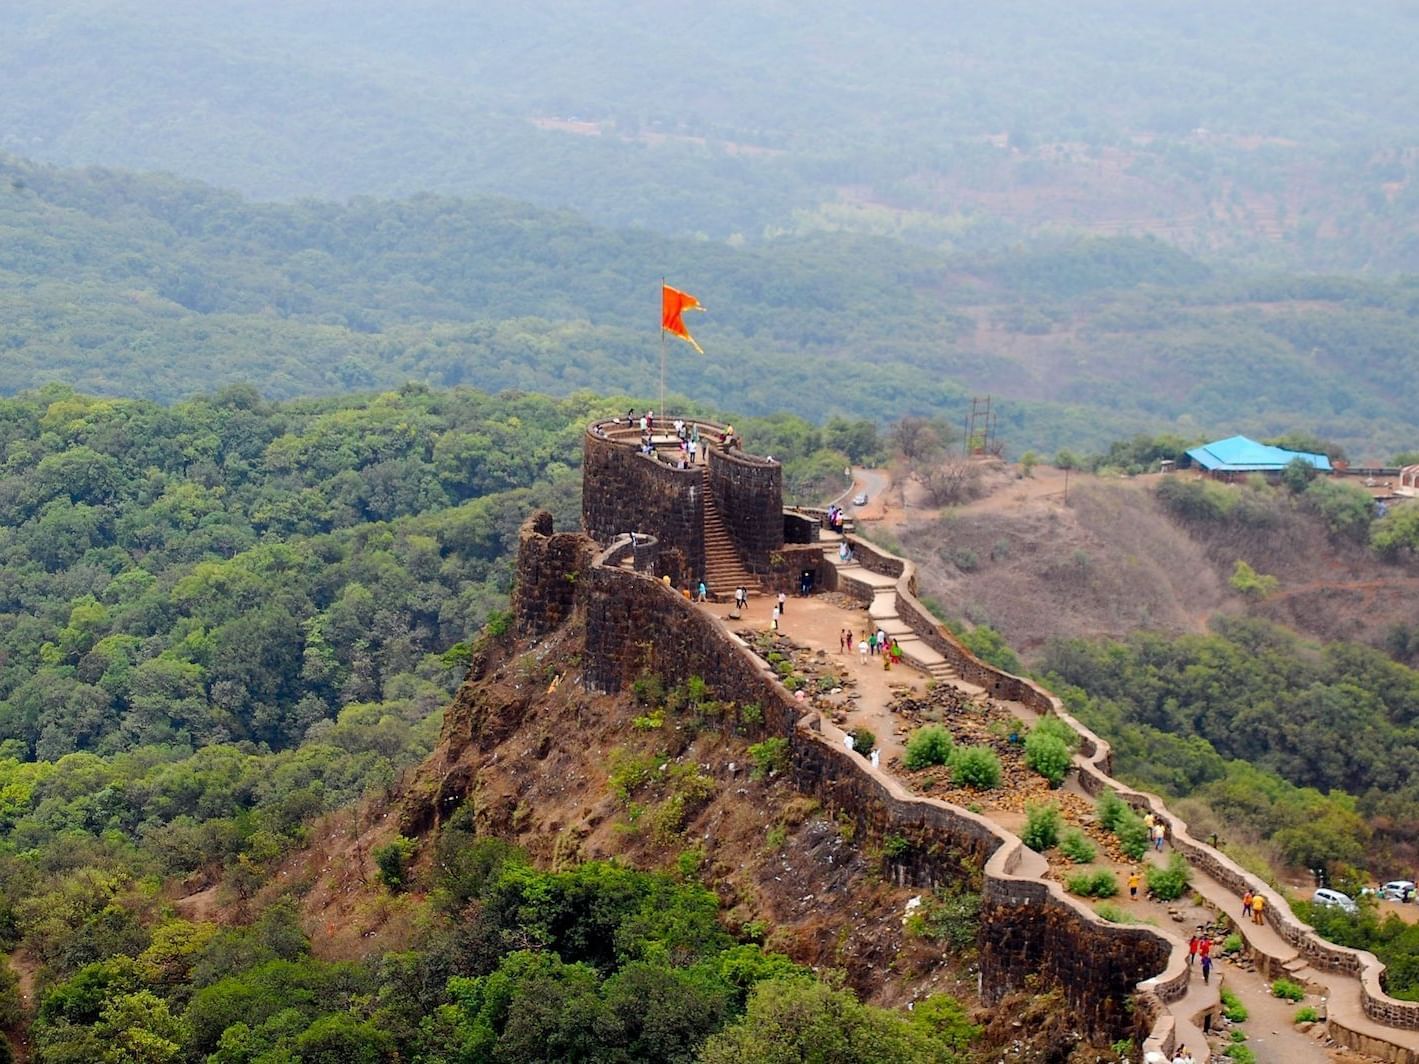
548	567
1094	763
749	493
634	623
625	491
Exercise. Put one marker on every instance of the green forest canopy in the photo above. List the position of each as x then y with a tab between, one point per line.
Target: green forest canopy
150	287
1277	132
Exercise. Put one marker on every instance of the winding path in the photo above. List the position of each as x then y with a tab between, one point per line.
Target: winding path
1273	955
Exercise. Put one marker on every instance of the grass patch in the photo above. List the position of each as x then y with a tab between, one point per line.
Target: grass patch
1232	1007
1284	988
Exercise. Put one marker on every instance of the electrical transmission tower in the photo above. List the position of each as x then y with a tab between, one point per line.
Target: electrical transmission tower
982	436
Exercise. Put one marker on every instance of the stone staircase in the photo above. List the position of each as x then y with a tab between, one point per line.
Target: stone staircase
882	613
724	569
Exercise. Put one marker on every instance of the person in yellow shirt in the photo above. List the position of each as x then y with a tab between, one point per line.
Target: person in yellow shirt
1135	879
1258	904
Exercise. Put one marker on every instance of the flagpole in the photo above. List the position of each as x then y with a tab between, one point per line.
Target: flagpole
662	353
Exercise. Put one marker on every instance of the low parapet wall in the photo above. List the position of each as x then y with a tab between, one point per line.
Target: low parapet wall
1095	766
635	624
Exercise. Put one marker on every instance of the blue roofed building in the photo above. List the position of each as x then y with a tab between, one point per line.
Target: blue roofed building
1239	455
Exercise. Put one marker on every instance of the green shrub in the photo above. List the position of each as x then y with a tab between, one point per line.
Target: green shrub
629	772
895	846
1232	1007
930	745
950	916
1250	583
1170	882
1042	826
392	860
1075	845
1306	1014
771	755
1284	988
1132	834
1240	1054
1108	809
863	741
1112	913
976	766
1100	883
1048	755
648	690
1233	943
1051	725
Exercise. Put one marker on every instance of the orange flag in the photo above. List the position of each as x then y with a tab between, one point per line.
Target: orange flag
673	303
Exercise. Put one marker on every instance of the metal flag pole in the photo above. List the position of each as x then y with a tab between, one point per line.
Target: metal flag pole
662	350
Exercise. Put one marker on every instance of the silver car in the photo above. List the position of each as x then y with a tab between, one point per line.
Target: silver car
1326	896
1397	890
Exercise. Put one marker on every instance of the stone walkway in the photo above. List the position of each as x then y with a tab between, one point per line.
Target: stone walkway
815	622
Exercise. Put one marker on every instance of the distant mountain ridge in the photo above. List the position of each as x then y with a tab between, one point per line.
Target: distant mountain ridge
159	288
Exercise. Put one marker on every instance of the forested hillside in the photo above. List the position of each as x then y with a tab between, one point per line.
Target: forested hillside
222	620
146	286
1276	133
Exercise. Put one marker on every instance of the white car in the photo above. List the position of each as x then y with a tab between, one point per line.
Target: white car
860	499
1326	896
1397	890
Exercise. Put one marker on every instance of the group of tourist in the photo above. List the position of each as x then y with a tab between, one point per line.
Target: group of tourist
835	519
1157	830
872	644
1254	905
1199	952
1182	1056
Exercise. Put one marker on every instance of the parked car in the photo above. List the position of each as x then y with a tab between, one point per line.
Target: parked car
1326	896
1397	890
860	499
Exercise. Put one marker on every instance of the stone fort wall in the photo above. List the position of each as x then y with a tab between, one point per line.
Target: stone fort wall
634	624
625	491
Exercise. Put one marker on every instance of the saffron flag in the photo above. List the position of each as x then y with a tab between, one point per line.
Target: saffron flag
673	303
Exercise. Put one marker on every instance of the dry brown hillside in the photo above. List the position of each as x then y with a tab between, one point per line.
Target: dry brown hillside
1112	559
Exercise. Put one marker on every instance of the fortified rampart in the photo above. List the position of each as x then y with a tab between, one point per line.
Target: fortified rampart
1117	978
626	491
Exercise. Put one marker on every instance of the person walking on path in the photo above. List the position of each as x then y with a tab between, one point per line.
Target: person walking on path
1205	952
862	650
741	597
1192	945
1258	906
1134	880
776	613
782	599
702	592
1246	902
1159	834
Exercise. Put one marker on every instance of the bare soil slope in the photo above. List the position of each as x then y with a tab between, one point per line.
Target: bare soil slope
1110	559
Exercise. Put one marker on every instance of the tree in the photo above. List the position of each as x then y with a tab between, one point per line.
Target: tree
951	482
790	1021
1298	474
1397	532
920	440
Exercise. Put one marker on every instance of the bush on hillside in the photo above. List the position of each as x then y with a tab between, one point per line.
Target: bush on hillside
1042	826
930	745
976	766
1048	755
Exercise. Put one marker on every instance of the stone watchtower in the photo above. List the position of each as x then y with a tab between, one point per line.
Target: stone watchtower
720	520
